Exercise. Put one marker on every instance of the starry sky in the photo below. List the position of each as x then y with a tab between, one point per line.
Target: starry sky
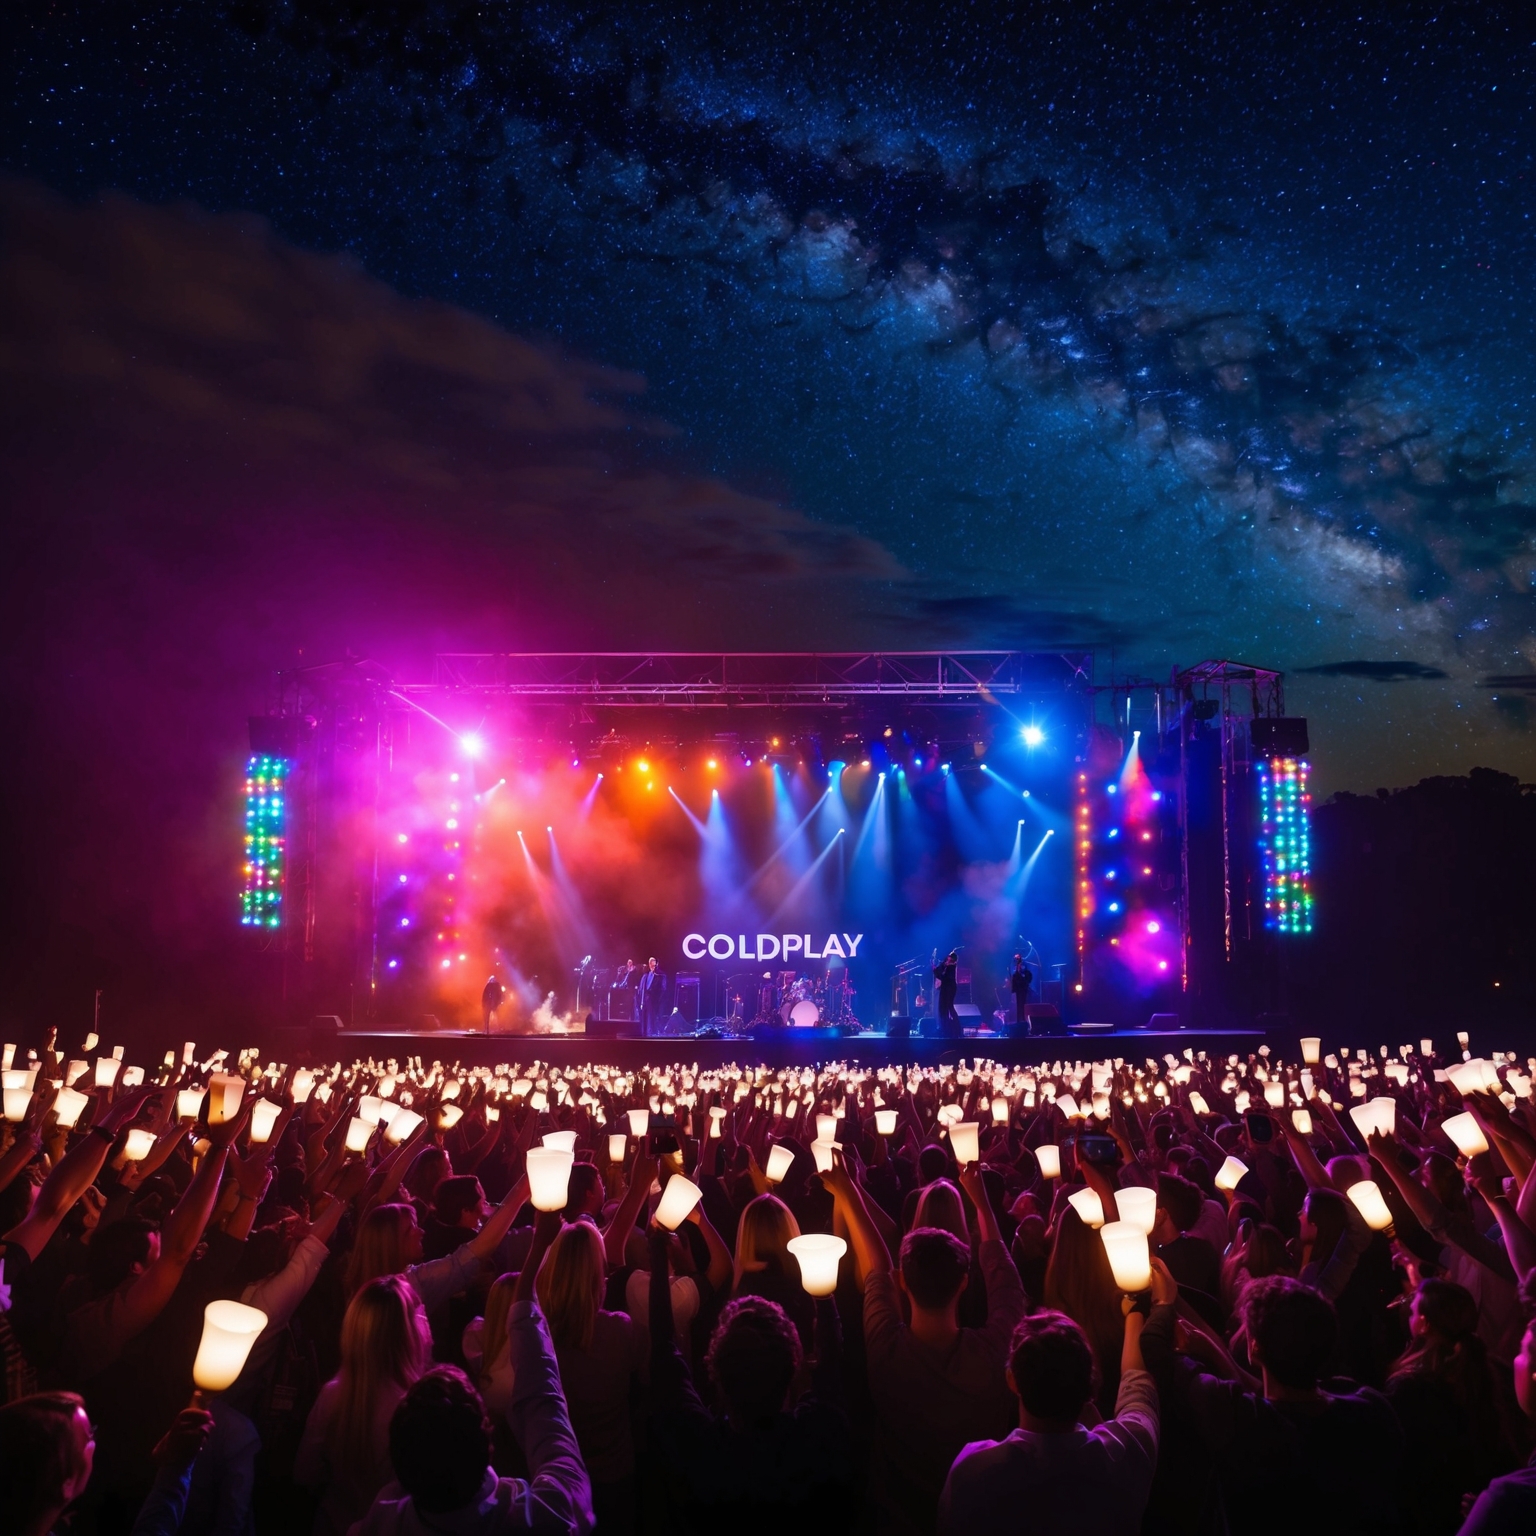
1176	330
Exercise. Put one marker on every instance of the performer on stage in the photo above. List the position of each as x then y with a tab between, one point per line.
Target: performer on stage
629	976
653	998
491	996
1019	980
946	976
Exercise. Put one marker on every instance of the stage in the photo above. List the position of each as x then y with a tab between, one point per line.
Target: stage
782	1049
542	839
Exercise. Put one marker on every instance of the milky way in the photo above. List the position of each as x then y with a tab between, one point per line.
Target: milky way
1176	334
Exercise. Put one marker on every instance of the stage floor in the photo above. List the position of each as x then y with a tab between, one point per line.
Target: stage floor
784	1050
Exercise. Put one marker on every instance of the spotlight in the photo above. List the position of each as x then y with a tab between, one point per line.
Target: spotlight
1032	735
473	744
712	765
643	766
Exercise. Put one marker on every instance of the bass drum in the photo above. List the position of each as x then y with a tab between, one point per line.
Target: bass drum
804	1014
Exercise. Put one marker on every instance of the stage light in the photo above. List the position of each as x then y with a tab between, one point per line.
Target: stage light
1285	844
712	765
1032	735
1154	927
472	743
262	896
642	766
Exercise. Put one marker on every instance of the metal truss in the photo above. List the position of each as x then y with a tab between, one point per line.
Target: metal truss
1265	688
759	679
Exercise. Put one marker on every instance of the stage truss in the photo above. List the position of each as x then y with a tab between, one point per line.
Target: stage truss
757	679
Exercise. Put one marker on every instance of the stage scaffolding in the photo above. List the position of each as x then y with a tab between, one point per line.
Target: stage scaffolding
757	679
343	717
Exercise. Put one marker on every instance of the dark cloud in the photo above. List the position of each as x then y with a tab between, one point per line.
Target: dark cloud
1515	682
1001	620
1378	671
181	339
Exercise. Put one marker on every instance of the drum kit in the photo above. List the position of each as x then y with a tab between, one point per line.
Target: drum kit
801	1001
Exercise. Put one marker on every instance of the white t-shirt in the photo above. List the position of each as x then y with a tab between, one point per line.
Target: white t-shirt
685	1300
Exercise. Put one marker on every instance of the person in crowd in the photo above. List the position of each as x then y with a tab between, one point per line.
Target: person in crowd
345	1455
764	1266
764	1463
1045	1464
1194	1262
459	1211
687	1382
602	1359
1079	1282
487	1349
1507	1506
427	1170
441	1453
176	1456
698	1262
47	1450
1288	1452
1456	1409
1258	1250
389	1242
937	1386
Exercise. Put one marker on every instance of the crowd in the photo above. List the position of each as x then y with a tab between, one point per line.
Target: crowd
1191	1295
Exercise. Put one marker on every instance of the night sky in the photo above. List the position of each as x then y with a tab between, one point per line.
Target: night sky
1181	331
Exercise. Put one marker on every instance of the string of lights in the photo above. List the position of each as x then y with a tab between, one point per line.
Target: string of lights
261	896
1285	843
